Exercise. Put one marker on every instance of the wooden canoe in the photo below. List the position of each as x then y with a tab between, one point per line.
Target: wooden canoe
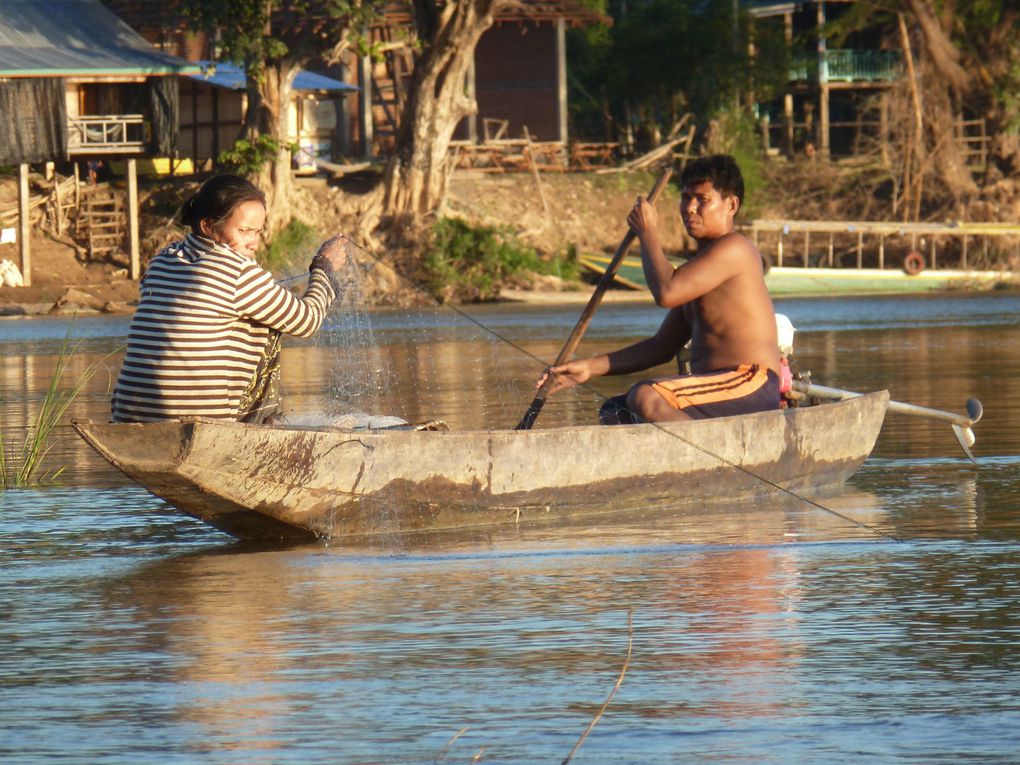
261	482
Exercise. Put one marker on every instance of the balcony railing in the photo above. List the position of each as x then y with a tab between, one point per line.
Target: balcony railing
845	65
106	134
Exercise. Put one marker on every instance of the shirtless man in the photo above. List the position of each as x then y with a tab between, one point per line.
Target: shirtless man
717	300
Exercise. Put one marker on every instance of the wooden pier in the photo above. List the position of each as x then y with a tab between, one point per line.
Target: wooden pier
775	237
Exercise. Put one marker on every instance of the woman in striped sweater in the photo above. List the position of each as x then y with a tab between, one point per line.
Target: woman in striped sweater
205	338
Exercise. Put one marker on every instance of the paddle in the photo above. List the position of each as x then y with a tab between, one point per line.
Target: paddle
593	303
961	425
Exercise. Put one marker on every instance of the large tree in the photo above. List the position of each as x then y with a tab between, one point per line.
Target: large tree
961	62
446	37
273	40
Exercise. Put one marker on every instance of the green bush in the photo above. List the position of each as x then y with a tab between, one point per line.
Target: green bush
471	264
246	157
739	137
296	239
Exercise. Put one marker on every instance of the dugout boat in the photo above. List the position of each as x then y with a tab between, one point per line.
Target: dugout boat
286	483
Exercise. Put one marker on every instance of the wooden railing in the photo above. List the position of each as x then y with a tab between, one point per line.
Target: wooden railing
846	65
925	238
106	134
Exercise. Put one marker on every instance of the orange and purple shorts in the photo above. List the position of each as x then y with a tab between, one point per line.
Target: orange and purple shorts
740	390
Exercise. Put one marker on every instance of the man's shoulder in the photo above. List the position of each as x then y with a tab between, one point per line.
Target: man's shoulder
733	241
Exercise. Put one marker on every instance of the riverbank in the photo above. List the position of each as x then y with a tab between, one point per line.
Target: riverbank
557	214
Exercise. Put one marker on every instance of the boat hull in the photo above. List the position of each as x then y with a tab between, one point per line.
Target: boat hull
259	482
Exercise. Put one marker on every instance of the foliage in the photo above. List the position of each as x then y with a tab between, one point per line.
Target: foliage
469	263
983	40
255	33
733	132
246	156
296	238
23	469
704	63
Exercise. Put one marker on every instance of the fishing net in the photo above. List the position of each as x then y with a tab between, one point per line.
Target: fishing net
470	367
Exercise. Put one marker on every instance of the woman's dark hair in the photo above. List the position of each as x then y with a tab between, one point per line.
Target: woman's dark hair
721	169
217	200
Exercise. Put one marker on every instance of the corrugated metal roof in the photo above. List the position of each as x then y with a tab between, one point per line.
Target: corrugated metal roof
57	38
224	75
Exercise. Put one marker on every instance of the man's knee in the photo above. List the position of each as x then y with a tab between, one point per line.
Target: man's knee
643	399
651	406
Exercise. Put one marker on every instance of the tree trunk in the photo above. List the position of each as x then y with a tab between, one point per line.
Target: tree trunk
417	174
268	116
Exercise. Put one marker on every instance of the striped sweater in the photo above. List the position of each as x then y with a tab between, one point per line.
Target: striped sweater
200	329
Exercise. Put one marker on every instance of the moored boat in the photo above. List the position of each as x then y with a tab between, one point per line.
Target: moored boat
261	482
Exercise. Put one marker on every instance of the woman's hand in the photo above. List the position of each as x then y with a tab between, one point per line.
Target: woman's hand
334	251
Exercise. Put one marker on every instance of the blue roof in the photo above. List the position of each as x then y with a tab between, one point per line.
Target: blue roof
55	38
231	76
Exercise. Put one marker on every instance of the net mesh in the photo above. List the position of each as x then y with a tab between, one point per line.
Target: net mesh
471	367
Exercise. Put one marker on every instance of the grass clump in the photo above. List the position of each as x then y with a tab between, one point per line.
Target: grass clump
468	263
20	466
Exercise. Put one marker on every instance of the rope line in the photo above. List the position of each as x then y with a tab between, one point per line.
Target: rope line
659	426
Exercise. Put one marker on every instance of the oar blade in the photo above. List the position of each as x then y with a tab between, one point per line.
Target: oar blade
966	438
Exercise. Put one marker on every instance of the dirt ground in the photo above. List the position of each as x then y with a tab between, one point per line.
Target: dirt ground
63	283
554	213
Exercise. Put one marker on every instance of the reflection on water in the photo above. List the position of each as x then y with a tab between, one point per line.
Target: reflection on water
125	643
776	631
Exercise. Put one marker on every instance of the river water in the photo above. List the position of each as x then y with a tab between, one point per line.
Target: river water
774	631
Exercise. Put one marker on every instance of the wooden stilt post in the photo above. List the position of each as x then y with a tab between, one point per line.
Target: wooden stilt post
133	245
860	248
807	248
24	227
881	251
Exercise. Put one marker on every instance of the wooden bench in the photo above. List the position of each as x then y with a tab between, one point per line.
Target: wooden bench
587	156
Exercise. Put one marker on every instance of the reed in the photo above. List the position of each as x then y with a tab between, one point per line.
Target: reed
21	467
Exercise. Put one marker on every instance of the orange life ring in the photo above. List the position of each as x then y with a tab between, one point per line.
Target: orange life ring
913	264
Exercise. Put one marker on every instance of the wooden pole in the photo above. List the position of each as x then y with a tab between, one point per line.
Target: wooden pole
365	106
914	147
24	227
133	239
534	174
823	85
807	248
528	420
561	80
788	96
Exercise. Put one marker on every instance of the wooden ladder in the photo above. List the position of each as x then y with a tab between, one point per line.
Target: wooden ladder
101	225
390	83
